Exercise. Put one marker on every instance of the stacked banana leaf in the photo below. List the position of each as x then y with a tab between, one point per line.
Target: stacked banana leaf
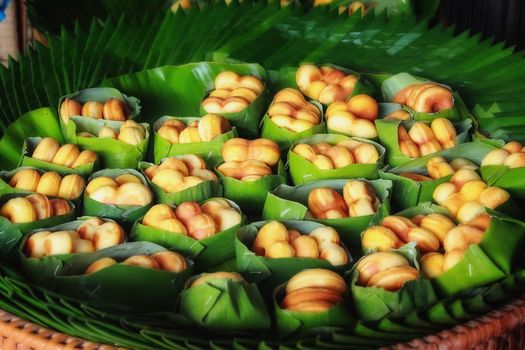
163	54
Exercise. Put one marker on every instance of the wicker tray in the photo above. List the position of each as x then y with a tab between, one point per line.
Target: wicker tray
500	329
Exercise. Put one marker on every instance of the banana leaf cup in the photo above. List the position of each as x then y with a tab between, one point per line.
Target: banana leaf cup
43	270
391	85
374	303
250	195
198	193
294	323
303	171
388	136
112	153
26	160
225	305
100	94
123	286
284	137
121	213
291	203
269	273
179	90
487	262
207	253
210	151
11	234
5	188
407	192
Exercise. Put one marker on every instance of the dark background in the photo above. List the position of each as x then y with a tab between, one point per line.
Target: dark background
504	20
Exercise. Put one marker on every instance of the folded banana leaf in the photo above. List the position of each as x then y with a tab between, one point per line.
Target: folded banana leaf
303	171
26	160
43	271
284	137
101	95
5	188
291	203
408	192
120	213
41	122
110	287
207	253
210	151
393	84
179	90
504	177
387	131
268	272
374	303
198	193
293	323
225	305
11	235
250	195
112	153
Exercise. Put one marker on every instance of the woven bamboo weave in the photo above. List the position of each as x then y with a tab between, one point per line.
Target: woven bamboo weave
499	329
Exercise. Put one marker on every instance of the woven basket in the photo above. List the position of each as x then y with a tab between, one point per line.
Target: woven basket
499	329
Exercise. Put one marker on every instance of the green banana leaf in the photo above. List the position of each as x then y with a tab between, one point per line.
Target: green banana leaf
291	203
504	177
41	122
293	323
408	193
269	273
393	84
251	195
373	303
210	151
179	90
112	153
5	188
225	305
43	271
207	253
111	286
26	160
303	171
11	235
198	193
99	94
121	213
387	132
286	138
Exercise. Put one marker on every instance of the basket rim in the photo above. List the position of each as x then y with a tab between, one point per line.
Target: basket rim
496	323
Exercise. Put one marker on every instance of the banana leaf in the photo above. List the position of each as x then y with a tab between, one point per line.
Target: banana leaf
285	138
26	160
99	94
198	193
269	273
504	177
179	90
111	286
387	132
210	151
5	188
391	86
11	235
250	195
474	270
373	303
291	203
121	213
303	171
112	153
207	253
408	193
41	122
225	305
293	323
43	271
